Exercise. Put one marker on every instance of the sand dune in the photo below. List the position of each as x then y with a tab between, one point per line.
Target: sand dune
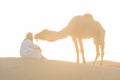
32	69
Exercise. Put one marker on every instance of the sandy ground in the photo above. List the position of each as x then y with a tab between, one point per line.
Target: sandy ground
32	69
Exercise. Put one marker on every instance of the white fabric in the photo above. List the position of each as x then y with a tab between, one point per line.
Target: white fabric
29	49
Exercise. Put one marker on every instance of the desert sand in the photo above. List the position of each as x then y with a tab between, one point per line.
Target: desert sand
33	69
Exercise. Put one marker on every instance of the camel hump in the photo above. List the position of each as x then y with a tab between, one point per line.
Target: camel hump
87	15
82	18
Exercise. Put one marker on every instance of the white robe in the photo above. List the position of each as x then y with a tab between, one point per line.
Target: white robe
29	49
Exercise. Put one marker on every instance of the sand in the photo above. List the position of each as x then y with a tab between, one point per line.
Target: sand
33	69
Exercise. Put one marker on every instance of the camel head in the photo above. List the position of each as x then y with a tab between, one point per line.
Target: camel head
47	35
41	35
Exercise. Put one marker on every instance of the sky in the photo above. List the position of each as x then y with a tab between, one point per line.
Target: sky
17	17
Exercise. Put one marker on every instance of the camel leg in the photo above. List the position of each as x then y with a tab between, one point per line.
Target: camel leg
102	52
76	47
97	50
102	43
82	49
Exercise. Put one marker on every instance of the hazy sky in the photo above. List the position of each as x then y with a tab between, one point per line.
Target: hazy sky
17	17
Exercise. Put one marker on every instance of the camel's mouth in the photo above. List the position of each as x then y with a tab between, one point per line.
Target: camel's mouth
36	37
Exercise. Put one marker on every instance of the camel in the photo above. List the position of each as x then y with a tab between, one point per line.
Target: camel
80	27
